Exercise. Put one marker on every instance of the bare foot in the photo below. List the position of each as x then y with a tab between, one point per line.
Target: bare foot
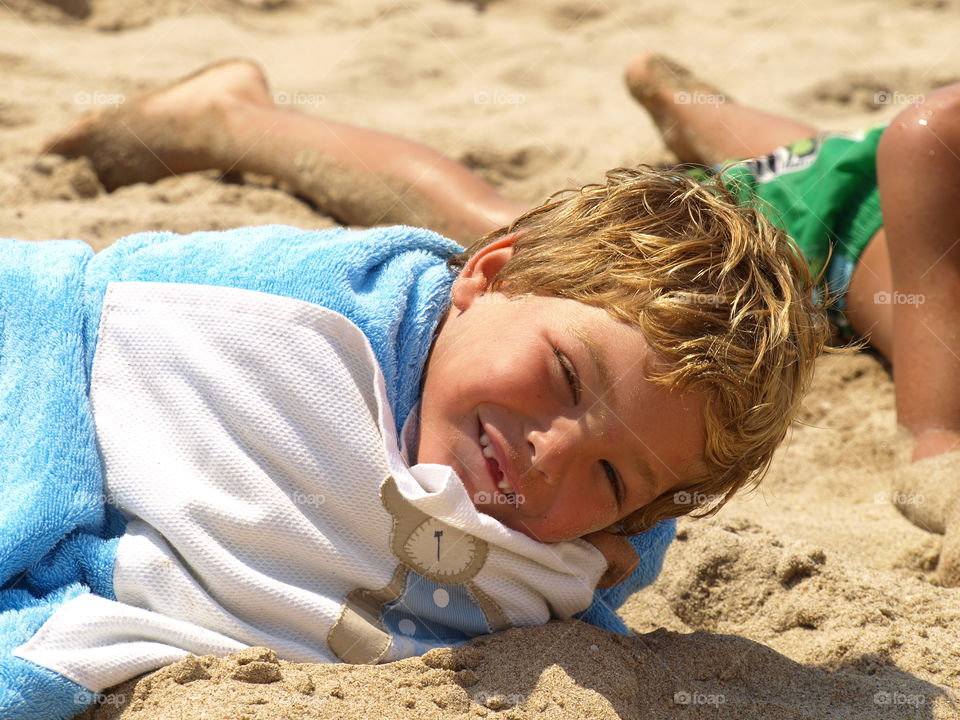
660	85
927	492
931	442
948	567
180	128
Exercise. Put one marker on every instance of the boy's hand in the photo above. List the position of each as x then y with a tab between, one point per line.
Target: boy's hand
621	558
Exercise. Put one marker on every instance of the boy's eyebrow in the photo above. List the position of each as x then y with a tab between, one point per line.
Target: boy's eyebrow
593	351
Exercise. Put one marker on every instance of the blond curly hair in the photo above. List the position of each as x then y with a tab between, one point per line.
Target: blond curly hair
722	296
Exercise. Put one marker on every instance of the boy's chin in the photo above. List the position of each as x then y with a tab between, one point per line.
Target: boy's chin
502	509
518	525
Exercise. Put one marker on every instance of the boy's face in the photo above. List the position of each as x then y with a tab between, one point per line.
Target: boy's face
575	446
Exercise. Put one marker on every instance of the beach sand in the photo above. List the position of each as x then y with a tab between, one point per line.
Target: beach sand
809	598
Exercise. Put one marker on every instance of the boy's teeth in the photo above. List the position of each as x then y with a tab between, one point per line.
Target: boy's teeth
505	487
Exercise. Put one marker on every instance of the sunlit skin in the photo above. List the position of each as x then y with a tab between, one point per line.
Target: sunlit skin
578	456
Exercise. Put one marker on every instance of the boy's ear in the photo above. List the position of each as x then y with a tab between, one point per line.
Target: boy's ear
475	277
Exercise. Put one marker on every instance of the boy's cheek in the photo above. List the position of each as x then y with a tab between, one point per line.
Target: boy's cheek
621	557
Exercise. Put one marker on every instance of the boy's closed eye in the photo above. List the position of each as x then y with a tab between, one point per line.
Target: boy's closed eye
572	377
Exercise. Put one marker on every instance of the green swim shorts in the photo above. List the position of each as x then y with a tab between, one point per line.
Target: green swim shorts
823	192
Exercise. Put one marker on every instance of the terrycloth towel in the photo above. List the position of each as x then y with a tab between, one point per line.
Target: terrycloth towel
392	283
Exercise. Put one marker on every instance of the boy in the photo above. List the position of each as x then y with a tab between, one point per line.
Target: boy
590	365
894	287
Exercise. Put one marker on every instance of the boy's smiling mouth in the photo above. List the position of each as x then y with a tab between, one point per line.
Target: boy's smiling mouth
495	463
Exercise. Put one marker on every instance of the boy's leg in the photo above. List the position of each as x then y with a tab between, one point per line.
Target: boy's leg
698	122
871	279
918	167
223	118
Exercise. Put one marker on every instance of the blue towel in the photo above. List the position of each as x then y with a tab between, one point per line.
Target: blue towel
57	535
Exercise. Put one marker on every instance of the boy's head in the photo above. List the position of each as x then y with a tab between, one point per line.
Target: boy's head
629	352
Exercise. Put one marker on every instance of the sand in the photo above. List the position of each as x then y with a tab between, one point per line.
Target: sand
810	598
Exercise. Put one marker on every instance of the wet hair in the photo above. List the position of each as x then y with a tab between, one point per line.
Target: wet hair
722	296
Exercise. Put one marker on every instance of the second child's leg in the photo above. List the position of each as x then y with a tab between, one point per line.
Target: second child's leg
700	123
223	118
918	166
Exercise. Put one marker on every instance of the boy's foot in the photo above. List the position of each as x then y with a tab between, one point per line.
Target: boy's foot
177	129
660	85
927	492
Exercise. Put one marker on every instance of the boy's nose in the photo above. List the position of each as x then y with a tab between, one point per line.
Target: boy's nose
558	450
